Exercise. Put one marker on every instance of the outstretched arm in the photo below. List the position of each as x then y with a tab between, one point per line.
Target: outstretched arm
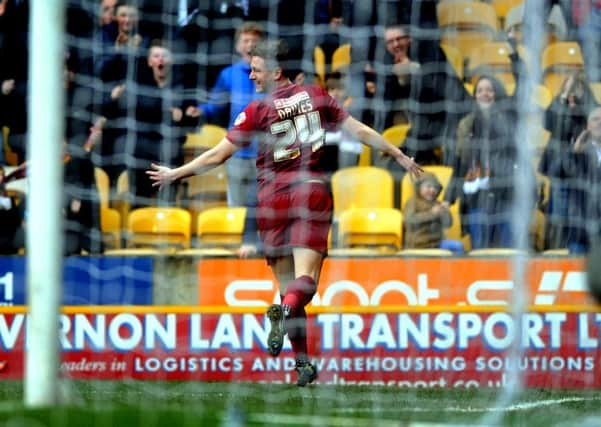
372	138
162	175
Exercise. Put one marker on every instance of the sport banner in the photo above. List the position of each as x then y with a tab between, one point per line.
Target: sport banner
86	280
402	282
428	349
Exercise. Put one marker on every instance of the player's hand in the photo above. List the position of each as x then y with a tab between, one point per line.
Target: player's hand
160	175
410	166
247	251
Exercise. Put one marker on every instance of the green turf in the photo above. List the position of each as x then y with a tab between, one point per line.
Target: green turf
149	404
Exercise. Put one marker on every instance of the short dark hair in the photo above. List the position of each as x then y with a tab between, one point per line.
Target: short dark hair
274	52
334	80
250	27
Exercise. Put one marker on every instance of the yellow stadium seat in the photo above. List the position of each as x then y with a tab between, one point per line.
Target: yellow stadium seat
110	219
206	191
219	232
454	58
341	58
365	156
396	134
465	41
558	61
380	228
319	62
362	187
221	227
208	137
210	185
158	227
121	202
502	7
466	15
491	58
9	156
465	25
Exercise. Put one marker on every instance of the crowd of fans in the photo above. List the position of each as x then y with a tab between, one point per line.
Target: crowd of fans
142	74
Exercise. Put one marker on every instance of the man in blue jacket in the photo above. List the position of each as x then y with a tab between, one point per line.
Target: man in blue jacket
235	90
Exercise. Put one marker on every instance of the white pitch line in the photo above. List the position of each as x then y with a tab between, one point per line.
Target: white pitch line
316	420
522	406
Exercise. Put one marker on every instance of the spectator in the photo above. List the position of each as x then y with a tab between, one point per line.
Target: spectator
12	235
162	117
122	60
425	218
235	90
484	167
14	24
343	150
82	203
124	45
328	20
585	198
565	119
589	35
556	27
396	74
106	20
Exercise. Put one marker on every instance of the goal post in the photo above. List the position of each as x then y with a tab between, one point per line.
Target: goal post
45	173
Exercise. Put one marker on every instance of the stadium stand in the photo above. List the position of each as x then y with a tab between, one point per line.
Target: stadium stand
380	229
466	25
361	187
158	227
110	218
558	60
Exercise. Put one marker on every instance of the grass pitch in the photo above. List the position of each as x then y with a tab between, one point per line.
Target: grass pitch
149	404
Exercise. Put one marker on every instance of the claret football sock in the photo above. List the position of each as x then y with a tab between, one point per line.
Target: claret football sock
296	326
299	294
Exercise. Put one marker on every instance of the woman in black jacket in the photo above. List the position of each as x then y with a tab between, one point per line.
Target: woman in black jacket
565	119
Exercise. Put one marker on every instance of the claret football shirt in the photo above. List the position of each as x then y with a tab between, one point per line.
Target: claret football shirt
290	125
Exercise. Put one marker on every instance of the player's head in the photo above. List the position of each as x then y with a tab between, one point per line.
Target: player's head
335	86
267	65
247	37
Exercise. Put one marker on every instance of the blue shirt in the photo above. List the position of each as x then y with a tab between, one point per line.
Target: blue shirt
233	86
